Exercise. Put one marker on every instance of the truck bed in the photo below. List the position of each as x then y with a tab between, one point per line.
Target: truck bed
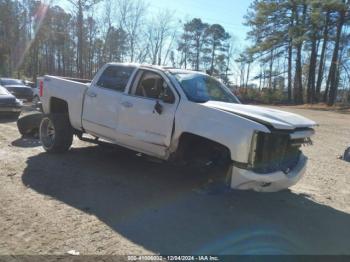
68	89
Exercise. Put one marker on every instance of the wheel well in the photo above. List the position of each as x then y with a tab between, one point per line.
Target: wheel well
58	105
193	146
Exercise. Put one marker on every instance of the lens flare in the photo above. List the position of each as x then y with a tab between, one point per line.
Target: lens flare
258	240
22	47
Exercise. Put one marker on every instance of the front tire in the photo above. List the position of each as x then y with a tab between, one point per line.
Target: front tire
56	133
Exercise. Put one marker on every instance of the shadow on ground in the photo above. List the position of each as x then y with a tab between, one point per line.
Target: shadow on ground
7	119
158	207
26	142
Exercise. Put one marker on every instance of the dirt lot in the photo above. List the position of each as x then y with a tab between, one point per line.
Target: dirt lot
99	200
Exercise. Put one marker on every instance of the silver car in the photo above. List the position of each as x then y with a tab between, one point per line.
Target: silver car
10	106
17	88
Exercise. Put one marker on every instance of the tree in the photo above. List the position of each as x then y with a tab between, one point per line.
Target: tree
334	68
160	34
80	6
271	32
197	31
131	20
206	47
313	37
245	59
292	41
322	56
296	29
299	12
216	36
184	46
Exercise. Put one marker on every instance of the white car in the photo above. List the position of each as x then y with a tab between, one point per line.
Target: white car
174	114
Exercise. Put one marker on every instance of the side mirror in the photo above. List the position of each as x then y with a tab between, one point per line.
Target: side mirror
158	108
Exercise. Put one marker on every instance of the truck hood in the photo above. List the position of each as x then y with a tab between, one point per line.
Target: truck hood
267	116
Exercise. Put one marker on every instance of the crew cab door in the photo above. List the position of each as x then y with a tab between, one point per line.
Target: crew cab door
147	112
102	101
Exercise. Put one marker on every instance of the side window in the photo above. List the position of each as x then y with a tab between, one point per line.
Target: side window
115	78
152	85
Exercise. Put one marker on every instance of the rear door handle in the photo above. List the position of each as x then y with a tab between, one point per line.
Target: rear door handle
127	104
91	94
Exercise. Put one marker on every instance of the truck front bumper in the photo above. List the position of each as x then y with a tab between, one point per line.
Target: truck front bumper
248	180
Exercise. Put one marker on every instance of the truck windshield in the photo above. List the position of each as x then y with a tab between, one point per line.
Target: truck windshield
203	88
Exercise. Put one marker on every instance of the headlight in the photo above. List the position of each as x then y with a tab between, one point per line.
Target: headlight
253	149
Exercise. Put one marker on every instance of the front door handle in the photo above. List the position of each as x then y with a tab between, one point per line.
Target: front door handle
127	104
91	94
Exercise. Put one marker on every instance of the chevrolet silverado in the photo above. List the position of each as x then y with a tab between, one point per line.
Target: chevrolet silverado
177	115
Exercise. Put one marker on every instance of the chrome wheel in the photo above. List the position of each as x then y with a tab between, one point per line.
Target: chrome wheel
56	133
47	133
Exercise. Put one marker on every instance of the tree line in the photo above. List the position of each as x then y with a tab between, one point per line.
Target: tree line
38	39
301	46
304	41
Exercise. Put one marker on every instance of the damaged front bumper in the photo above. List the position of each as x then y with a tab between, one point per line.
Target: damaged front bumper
244	179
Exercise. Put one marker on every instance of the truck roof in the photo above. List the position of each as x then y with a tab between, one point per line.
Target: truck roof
170	69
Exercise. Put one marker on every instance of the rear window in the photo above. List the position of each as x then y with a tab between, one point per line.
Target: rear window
115	77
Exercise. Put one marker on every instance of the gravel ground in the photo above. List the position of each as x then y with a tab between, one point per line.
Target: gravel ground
106	200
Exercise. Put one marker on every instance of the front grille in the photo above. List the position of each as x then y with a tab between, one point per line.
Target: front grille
275	152
7	101
23	96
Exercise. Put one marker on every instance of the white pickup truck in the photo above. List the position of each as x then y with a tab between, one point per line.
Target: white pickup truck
178	115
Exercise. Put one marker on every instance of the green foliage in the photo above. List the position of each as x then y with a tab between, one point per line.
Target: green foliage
296	45
295	31
265	96
205	47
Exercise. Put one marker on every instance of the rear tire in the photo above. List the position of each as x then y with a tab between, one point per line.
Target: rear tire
56	133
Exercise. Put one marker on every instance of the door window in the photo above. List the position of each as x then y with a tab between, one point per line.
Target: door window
115	77
152	85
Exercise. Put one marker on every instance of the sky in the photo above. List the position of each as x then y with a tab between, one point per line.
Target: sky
228	13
